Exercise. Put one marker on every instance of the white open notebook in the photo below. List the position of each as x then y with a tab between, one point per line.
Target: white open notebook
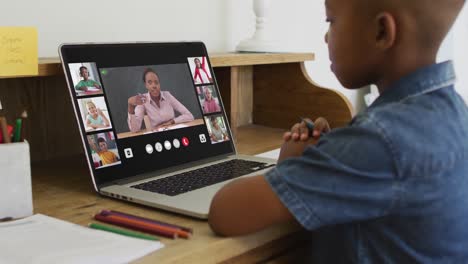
43	239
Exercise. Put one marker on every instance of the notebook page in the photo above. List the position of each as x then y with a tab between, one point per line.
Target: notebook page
43	239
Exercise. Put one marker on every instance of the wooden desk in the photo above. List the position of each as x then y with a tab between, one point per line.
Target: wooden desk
63	189
268	90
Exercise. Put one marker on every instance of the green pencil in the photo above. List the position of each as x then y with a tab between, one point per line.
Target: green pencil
17	133
121	231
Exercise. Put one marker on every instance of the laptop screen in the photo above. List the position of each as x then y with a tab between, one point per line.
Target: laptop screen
145	107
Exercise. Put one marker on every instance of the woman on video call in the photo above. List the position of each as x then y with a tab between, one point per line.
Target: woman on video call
159	106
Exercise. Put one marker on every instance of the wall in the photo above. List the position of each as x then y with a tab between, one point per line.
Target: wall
61	21
460	53
454	48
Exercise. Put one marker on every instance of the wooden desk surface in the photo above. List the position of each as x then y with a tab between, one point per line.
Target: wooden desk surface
63	189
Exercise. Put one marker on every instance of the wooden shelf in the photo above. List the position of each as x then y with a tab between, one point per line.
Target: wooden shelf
53	67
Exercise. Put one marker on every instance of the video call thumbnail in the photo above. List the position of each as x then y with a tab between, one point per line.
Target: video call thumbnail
216	128
103	150
209	99
149	99
94	113
85	78
200	69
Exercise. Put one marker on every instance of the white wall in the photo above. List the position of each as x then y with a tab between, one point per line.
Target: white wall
109	20
460	53
455	48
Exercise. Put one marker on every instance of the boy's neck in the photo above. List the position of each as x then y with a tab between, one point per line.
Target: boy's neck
400	66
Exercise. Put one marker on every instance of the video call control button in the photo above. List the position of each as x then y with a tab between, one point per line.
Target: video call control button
202	138
176	143
185	141
149	149
128	153
158	147
167	145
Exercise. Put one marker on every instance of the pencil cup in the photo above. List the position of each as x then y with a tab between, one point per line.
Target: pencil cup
15	178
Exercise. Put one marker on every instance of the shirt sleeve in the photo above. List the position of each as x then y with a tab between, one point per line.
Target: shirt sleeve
134	120
185	115
348	176
96	82
79	85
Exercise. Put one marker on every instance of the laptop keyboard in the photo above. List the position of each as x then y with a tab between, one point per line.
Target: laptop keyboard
199	178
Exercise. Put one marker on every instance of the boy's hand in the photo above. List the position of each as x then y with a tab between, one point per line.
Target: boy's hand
301	132
291	149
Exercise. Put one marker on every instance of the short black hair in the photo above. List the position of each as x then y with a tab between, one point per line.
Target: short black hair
100	139
148	70
83	67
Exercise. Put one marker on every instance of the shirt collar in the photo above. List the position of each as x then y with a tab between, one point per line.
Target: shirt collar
150	99
422	81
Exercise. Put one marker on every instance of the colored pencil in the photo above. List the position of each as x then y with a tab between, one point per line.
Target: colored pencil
4	127
133	226
151	226
17	133
186	229
121	231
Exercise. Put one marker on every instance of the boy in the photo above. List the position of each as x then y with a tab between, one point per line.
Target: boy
107	156
391	187
86	82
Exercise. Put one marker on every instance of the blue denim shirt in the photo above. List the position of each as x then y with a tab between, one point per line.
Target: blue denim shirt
392	186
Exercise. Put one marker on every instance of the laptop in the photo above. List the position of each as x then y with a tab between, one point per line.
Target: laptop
153	125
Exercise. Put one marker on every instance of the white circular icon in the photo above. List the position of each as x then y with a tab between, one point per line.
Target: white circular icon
158	147
167	145
176	143
149	148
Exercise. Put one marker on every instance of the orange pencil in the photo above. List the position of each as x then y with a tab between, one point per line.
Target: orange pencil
177	231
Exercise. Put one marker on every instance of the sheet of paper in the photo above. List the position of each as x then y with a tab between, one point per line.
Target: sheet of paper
274	154
93	89
18	51
177	126
42	239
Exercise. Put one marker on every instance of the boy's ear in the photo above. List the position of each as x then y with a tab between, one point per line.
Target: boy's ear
386	30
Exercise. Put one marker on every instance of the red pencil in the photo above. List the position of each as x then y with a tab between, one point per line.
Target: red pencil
117	222
186	229
177	231
154	226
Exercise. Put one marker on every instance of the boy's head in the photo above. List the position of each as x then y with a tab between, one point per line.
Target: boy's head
84	72
102	144
380	41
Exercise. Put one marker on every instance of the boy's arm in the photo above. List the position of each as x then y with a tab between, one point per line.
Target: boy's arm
249	204
245	206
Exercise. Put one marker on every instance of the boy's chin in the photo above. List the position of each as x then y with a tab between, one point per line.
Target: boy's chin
352	84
